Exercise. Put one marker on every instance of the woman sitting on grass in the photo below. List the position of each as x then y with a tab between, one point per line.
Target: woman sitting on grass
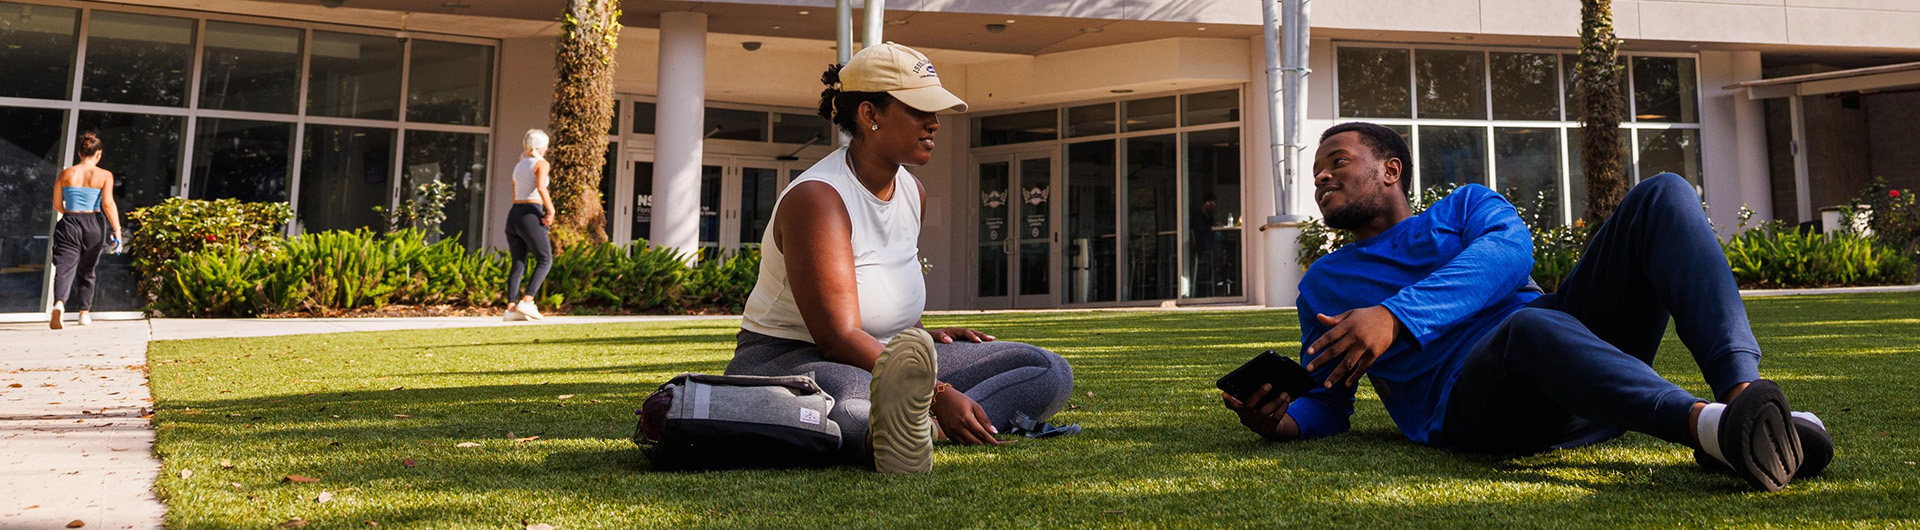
841	290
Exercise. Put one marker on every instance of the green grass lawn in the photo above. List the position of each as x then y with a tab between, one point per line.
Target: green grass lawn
1158	449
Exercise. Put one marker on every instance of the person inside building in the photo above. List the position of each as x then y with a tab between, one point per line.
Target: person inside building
527	223
89	223
841	288
1439	312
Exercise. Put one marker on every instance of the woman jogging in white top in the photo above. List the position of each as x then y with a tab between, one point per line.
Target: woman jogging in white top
527	224
841	290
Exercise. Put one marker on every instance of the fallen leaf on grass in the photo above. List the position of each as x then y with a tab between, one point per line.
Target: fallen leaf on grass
566	396
527	439
408	462
186	474
541	526
467	444
226	464
303	479
235	485
373	523
403	416
76	523
323	497
294	523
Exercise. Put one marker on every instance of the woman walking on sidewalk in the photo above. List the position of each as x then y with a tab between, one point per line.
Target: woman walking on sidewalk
83	195
527	226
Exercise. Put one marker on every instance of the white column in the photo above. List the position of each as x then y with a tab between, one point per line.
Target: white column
1750	133
875	13
679	131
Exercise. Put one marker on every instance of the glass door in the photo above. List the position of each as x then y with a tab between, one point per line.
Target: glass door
759	185
1017	242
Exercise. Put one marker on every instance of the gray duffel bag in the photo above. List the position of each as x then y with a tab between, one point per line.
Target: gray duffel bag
702	421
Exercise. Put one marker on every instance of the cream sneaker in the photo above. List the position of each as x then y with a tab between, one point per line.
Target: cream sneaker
86	319
529	310
513	314
53	315
899	425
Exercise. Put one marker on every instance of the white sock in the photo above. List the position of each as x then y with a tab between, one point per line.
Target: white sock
1810	417
1708	430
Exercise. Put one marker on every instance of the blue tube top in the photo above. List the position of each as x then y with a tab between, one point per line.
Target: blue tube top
81	198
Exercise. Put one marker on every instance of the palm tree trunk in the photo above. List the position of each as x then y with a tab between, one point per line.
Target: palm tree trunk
1603	106
582	113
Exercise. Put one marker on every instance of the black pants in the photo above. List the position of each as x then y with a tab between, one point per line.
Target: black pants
77	241
526	234
1575	367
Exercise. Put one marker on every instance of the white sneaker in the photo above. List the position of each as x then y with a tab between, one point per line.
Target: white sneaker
899	427
527	309
86	319
513	314
53	315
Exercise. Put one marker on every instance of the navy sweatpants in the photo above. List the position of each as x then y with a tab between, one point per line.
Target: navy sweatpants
1575	366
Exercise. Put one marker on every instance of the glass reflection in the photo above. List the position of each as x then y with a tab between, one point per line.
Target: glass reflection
1526	86
1092	239
756	202
1452	84
449	82
1036	225
1214	216
1670	151
1373	83
143	151
995	206
1664	90
344	173
251	68
1153	224
732	124
1452	155
30	145
354	76
1147	114
1210	107
241	159
37	44
1091	120
460	160
800	129
643	117
1036	126
138	59
710	182
642	228
1528	162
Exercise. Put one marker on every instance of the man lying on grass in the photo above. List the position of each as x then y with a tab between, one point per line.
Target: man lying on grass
1440	313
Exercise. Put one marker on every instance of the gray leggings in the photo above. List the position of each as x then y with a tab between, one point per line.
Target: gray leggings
1002	376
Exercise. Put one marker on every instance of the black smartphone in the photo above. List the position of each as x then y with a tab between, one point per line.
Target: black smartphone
1267	368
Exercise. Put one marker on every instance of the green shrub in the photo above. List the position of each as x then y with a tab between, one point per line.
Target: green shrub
1892	214
1777	255
213	282
606	276
160	233
723	284
1556	248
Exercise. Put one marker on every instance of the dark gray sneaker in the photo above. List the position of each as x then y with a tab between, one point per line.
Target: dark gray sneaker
1758	438
1815	444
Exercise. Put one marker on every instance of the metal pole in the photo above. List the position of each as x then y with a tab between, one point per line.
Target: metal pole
875	12
1282	171
843	29
1294	89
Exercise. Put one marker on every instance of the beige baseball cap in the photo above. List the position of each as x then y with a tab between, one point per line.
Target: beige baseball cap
902	72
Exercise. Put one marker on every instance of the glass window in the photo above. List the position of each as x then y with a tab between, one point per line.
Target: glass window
642	228
1569	75
1526	86
138	59
642	117
37	44
1577	179
458	159
354	76
1091	120
995	208
143	151
1664	90
710	182
1034	196
732	124
1452	155
1373	83
241	159
1214	216
1528	164
1092	243
1036	126
449	82
1147	114
30	145
1670	151
1153	223
799	129
757	192
1210	107
344	173
1453	84
613	125
252	68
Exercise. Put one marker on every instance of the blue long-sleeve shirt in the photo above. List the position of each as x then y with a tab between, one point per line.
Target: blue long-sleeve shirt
1449	275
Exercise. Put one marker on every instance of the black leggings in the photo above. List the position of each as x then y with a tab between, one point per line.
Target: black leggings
77	241
526	234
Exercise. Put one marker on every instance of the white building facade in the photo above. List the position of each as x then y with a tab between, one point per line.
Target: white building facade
1115	153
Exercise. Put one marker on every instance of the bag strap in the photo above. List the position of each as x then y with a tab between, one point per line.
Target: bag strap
800	384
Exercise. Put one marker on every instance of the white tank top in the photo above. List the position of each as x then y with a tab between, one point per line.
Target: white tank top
886	258
526	187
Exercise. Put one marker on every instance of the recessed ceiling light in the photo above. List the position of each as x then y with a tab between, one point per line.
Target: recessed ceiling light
776	27
1122	91
1009	21
1461	37
1201	28
996	28
805	12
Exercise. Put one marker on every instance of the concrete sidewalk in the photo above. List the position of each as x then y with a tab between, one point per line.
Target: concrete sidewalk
75	442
